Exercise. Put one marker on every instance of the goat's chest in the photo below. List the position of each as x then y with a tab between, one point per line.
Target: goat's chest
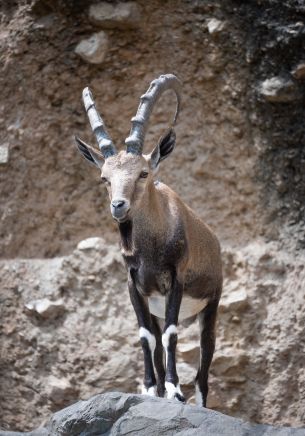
152	270
149	280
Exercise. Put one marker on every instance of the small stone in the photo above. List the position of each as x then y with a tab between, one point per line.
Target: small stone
238	132
45	308
93	49
109	16
278	90
59	390
215	26
4	153
186	373
189	352
229	359
299	71
91	244
234	301
213	401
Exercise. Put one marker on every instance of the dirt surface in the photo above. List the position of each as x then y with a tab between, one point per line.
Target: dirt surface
239	163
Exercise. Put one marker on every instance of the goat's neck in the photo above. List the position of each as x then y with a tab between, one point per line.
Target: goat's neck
148	219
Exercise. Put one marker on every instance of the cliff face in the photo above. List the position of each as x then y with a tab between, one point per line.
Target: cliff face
239	163
70	332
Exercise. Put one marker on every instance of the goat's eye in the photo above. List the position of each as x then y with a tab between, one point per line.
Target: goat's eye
143	174
104	180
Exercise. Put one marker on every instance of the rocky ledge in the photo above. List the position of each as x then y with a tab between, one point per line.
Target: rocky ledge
116	413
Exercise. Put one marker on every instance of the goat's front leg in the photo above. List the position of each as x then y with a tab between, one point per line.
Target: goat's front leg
169	341
148	340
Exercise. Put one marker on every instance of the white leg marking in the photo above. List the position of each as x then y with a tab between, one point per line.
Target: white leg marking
152	391
198	395
171	390
144	333
172	329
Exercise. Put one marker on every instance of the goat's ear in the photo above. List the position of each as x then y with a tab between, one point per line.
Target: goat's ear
165	146
91	154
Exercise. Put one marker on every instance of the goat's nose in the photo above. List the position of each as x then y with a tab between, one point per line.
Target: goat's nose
117	204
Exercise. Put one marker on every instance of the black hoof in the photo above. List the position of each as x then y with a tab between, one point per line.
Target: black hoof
180	398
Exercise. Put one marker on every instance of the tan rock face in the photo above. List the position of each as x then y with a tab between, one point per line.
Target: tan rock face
92	345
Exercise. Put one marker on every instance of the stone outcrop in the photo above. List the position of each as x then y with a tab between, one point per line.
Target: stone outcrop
278	90
110	16
126	414
94	48
45	308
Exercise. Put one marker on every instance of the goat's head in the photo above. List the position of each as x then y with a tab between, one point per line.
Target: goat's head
128	174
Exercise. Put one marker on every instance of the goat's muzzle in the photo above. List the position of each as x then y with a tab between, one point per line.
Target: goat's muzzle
119	209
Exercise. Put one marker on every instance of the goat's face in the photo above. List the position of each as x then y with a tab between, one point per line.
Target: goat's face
128	174
126	177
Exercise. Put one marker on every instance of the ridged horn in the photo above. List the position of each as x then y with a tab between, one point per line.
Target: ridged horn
97	125
139	123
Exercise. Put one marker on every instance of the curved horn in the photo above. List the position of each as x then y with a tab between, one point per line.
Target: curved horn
103	139
135	140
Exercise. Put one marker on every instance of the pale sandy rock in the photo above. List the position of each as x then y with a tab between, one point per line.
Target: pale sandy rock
189	351
234	300
228	359
187	373
299	71
94	48
4	153
91	244
278	90
58	390
121	15
214	401
46	308
215	26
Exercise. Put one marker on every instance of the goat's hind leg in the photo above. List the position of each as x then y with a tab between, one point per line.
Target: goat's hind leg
207	321
158	357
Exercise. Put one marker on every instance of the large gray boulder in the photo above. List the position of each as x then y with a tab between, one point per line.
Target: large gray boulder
119	414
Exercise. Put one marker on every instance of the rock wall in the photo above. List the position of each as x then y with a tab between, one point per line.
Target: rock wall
52	198
68	331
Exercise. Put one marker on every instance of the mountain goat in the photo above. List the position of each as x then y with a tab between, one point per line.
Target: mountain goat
172	257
